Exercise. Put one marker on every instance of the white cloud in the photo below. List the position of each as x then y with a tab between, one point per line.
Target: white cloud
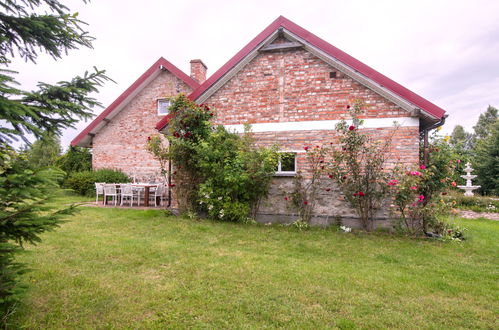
446	51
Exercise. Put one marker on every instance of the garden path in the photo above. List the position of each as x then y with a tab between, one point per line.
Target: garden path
475	215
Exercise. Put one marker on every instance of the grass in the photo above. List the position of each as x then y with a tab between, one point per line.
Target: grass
119	268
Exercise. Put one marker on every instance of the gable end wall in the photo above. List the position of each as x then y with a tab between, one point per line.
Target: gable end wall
295	86
121	143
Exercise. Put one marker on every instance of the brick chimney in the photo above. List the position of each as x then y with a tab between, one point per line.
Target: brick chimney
198	71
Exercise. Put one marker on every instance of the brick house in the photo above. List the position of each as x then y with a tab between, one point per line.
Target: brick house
292	86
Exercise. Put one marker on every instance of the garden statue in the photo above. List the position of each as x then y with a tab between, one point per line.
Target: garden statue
469	187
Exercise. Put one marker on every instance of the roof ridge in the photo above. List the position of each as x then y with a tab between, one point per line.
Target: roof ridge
330	50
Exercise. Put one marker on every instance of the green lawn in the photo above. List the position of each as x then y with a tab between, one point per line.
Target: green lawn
118	268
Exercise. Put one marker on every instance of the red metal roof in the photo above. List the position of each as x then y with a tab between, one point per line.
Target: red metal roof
329	49
133	88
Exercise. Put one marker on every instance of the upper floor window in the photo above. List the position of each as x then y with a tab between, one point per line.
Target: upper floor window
287	163
163	105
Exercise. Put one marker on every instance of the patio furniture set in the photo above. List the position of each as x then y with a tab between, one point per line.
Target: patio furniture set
121	193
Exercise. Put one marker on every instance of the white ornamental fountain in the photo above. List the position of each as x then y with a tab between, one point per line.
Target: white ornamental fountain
468	189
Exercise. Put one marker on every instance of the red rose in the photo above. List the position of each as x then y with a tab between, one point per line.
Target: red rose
361	194
422	167
344	177
348	106
305	148
328	189
305	202
149	138
351	128
286	198
171	185
330	176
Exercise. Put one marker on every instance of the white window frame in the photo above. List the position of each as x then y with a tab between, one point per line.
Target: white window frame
280	172
159	107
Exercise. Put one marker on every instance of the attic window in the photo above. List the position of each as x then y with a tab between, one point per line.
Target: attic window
332	74
163	105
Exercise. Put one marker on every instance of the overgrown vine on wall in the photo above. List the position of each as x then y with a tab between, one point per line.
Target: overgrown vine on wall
222	173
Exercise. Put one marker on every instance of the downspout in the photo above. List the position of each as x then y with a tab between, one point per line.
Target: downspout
426	152
169	181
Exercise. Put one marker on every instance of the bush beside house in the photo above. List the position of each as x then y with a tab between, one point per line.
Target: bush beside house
83	182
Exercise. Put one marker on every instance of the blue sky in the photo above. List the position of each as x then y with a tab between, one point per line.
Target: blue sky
446	51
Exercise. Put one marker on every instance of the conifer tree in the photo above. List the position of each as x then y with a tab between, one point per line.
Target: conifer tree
49	109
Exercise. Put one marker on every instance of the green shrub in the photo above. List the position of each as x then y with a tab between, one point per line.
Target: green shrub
75	159
236	173
83	183
474	203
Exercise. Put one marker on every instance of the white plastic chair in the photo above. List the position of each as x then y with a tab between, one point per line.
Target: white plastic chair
159	192
99	190
127	191
139	192
110	190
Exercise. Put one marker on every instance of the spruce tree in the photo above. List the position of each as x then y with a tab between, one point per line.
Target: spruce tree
49	109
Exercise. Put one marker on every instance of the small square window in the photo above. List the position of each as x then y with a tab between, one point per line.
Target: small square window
287	163
163	106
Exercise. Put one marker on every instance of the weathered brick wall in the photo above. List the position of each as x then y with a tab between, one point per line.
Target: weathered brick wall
297	86
330	202
121	144
293	86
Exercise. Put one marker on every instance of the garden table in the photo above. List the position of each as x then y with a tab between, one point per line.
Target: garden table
147	187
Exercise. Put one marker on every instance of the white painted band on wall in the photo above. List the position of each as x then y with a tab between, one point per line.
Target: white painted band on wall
321	125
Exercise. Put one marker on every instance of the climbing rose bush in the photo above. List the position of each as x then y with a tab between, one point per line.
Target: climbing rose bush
416	192
357	168
303	197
